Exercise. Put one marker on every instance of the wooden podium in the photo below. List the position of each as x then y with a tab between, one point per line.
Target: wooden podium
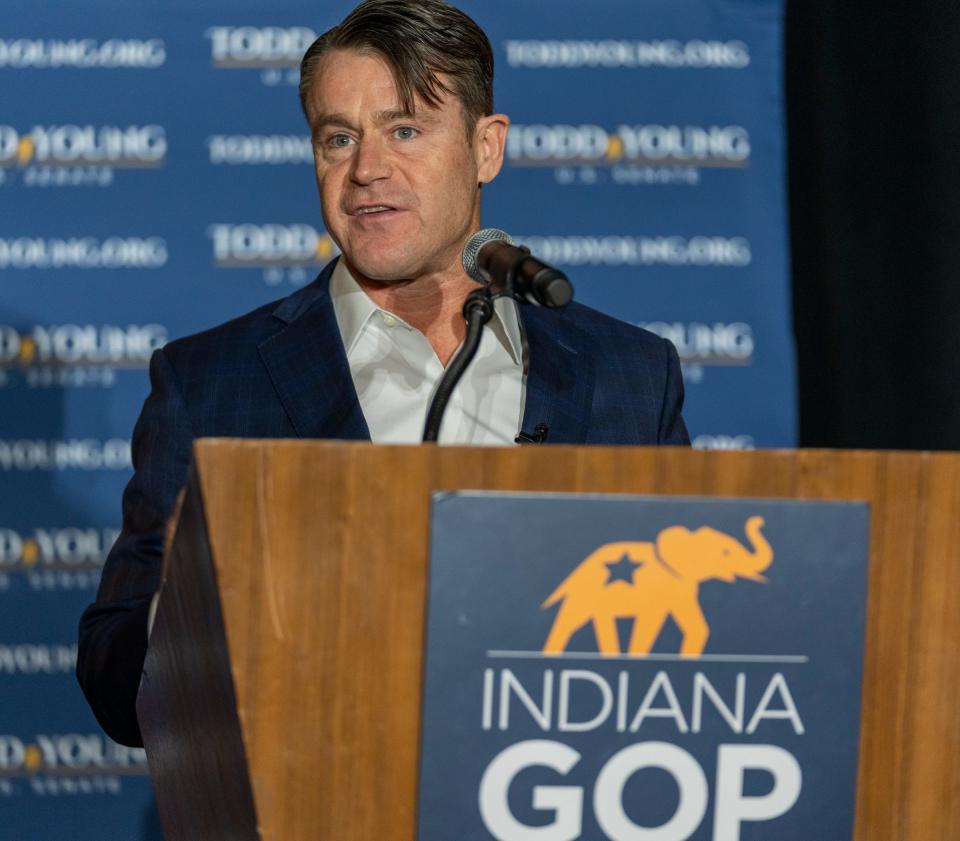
281	693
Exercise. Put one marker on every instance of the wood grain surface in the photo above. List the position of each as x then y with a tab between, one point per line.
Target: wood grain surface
186	705
320	552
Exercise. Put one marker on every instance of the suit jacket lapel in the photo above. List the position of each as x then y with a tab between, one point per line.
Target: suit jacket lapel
309	370
308	366
560	378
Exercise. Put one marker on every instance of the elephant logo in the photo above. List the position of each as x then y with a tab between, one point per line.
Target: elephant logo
648	582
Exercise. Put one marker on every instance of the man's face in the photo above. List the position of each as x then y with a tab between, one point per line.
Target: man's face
399	192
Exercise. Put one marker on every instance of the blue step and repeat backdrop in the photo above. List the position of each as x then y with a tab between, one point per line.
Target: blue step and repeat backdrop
155	179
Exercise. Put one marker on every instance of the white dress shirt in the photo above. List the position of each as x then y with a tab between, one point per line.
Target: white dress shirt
396	371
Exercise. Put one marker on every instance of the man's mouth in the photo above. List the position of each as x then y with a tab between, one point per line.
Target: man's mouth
372	209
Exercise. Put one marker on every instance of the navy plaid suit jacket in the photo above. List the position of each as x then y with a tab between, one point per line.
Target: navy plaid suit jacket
281	372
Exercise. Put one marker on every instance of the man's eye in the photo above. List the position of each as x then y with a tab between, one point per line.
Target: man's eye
405	133
340	141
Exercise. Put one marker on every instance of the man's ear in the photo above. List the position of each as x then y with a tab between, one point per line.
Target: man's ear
489	142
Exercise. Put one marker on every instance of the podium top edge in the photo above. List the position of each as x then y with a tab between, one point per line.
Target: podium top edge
209	444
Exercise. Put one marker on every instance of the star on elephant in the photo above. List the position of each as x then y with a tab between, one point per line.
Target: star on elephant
666	576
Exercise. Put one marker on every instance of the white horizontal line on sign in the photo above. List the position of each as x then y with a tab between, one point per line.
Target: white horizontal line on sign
672	658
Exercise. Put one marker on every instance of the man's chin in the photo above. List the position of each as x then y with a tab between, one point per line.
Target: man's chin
383	268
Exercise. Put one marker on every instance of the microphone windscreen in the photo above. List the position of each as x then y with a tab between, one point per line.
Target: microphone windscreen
472	249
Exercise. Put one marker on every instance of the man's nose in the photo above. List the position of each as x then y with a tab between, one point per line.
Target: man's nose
371	161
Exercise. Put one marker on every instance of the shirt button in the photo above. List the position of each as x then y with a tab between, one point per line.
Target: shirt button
389	320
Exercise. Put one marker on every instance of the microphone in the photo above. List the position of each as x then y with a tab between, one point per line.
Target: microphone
491	258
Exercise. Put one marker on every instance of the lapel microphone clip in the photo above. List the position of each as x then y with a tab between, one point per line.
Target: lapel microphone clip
538	437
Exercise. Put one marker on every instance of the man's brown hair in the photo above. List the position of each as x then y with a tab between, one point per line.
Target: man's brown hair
420	40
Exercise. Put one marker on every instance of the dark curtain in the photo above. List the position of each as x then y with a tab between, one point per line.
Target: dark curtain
873	113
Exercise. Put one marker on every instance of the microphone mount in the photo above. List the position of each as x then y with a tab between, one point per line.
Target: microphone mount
503	270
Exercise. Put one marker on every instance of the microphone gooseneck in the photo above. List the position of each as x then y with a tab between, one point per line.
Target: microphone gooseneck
477	311
502	269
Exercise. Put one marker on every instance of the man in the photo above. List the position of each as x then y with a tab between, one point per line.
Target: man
399	102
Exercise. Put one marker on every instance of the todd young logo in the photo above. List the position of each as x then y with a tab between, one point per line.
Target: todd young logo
83	253
612	53
88	454
270	245
718	343
66	764
38	659
87	345
258	47
733	252
259	149
724	442
114	53
73	752
130	147
592	145
65	548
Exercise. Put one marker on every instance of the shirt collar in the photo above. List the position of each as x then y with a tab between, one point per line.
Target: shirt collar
351	305
354	308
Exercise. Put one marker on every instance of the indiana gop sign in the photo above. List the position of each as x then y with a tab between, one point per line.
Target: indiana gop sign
642	669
